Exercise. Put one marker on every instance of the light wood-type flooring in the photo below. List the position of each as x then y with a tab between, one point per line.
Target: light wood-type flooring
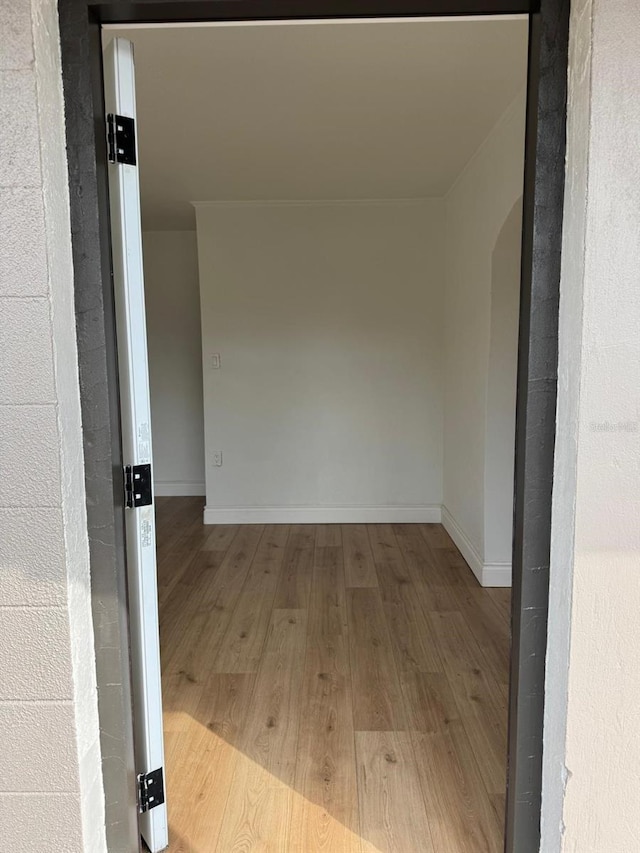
329	688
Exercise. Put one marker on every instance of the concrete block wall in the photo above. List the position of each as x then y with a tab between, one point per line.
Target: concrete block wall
51	795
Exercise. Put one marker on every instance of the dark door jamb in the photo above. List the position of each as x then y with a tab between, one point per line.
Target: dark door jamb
80	22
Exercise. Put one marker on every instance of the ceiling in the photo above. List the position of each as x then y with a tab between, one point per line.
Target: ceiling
317	110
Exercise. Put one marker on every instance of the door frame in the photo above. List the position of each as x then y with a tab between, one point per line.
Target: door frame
80	23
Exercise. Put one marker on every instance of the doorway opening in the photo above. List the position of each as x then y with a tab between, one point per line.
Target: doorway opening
354	190
430	543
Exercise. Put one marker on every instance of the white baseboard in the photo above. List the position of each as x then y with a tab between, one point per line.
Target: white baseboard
428	514
496	574
487	574
171	489
463	543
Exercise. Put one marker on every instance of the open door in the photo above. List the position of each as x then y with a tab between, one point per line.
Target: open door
128	283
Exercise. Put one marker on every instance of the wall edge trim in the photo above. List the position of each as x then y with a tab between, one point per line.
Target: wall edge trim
423	514
179	488
316	202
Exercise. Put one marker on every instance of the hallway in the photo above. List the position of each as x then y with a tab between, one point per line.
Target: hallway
329	688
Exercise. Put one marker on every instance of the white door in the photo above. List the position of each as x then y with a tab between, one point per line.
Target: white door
124	193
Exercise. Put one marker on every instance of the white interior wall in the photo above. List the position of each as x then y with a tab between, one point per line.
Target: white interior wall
327	319
343	255
175	361
501	392
476	209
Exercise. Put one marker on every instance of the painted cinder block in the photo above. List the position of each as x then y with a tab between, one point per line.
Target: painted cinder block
17	43
51	794
36	656
38	747
19	142
31	822
32	565
26	352
23	260
29	456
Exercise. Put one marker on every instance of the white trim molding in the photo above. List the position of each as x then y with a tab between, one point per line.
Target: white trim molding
496	574
426	514
316	22
487	574
315	202
173	489
463	543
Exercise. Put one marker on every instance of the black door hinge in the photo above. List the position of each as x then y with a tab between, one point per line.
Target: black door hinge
138	485
121	139
150	790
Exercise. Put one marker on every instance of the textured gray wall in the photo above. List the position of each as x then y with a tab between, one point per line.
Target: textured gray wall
51	794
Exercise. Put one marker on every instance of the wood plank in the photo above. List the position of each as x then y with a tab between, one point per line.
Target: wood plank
181	605
491	634
172	516
501	598
173	750
451	572
392	811
297	568
325	808
193	571
327	603
429	701
220	536
499	803
258	811
436	536
179	596
216	601
271	734
328	535
173	569
183	515
201	770
461	816
431	587
480	701
192	536
374	677
359	567
242	644
209	594
452	568
178	844
425	651
413	641
181	696
469	762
